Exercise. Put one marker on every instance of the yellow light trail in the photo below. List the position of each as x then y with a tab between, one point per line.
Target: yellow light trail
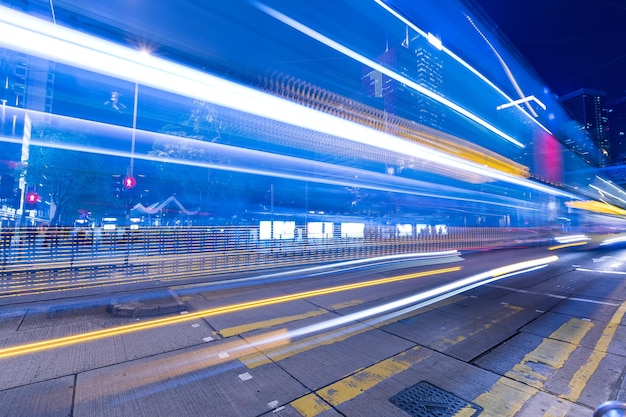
567	245
115	331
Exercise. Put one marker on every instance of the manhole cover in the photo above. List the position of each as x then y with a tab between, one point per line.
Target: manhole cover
426	400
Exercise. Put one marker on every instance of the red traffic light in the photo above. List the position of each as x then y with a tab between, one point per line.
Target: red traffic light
32	198
129	182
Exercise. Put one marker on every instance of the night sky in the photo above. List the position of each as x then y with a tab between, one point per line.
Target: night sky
570	43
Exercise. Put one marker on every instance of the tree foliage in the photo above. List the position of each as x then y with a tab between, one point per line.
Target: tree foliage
180	173
74	179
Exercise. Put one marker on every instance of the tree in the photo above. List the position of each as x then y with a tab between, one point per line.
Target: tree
74	179
209	189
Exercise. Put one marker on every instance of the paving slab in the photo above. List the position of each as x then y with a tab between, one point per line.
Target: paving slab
501	313
537	301
585	309
604	382
453	376
52	398
191	382
66	360
320	359
265	315
456	336
504	357
549	322
543	404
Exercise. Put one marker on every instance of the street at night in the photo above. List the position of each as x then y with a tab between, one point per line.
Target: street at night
536	337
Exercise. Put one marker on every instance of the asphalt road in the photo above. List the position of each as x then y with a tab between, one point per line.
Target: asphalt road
453	335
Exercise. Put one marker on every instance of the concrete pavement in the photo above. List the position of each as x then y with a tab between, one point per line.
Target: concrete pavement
548	343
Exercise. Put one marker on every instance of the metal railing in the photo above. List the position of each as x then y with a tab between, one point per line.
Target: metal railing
46	259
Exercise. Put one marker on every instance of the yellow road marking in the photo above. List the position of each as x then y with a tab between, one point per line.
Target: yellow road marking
584	373
236	330
310	405
350	387
552	352
509	394
505	398
466	411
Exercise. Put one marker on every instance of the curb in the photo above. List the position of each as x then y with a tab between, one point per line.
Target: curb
143	307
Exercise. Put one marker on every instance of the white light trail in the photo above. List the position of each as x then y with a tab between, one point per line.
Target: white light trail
571	238
422	299
334	174
460	61
384	70
520	101
36	37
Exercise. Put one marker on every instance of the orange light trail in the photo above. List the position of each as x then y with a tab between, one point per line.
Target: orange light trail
115	331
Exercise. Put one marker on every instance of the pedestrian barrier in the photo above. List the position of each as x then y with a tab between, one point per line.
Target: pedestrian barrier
54	259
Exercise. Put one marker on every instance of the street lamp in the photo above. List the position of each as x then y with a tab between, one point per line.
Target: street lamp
134	131
143	52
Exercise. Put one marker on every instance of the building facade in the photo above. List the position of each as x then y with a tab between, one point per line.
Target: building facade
617	129
414	59
589	108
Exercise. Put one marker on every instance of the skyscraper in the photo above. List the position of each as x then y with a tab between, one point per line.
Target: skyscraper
416	60
26	82
617	129
588	108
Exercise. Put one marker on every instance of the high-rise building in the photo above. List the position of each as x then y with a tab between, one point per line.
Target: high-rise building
417	60
588	108
26	82
617	129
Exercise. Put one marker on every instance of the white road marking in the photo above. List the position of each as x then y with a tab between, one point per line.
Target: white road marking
245	376
562	297
601	272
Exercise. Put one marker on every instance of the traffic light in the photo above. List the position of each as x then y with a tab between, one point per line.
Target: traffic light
129	182
31	199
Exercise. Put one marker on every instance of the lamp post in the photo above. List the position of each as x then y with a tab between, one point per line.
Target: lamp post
134	132
143	53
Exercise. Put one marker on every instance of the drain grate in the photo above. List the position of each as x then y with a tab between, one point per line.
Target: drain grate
426	400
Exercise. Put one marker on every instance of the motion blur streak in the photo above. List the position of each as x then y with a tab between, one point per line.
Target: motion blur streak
40	38
614	240
186	363
571	238
99	334
430	296
170	367
369	180
566	245
343	266
372	64
460	61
